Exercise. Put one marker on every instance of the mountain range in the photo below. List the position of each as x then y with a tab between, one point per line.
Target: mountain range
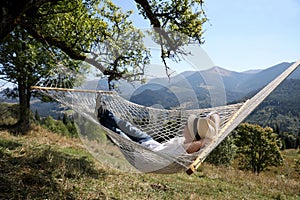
217	81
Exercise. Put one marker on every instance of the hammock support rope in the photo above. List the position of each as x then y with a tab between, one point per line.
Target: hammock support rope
161	124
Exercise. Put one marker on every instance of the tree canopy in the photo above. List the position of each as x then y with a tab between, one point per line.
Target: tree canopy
76	26
257	148
36	35
23	62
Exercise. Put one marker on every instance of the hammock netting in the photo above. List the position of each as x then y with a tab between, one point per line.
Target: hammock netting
161	124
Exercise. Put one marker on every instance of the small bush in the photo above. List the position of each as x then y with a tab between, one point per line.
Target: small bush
9	114
224	154
57	126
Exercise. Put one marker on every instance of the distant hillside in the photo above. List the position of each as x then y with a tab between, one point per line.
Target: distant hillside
190	87
45	109
160	97
236	85
281	110
264	77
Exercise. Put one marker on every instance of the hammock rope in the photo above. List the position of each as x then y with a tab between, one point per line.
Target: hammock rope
161	124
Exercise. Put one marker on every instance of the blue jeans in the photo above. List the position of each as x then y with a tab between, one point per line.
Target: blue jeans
123	127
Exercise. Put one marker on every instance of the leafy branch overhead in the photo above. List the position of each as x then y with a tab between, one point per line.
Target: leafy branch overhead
96	36
177	23
98	32
186	17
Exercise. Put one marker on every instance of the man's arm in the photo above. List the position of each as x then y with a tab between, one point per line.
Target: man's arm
193	146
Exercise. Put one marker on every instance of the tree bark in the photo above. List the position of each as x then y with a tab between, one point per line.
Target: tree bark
151	16
23	124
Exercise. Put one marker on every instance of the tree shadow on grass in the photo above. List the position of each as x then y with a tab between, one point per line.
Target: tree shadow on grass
42	172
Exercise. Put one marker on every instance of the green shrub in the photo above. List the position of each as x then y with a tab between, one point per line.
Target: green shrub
9	113
258	148
224	154
55	126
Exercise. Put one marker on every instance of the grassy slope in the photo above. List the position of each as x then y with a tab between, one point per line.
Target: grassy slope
43	165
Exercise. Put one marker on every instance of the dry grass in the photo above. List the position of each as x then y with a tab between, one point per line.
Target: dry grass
43	165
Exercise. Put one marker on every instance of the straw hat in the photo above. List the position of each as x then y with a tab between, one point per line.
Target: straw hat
203	127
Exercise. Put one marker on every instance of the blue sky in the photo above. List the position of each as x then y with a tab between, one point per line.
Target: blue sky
246	34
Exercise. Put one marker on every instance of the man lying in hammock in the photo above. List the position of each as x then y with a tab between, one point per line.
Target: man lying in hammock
196	133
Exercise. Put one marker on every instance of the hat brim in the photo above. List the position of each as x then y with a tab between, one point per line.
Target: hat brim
206	128
192	125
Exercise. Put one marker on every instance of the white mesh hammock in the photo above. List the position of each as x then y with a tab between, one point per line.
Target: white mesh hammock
161	124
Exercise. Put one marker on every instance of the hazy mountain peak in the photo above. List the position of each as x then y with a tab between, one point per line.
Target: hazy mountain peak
219	70
252	71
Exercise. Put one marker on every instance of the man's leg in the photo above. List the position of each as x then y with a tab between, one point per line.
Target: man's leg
121	127
131	131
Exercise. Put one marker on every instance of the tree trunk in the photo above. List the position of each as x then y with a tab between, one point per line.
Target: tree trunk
24	115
